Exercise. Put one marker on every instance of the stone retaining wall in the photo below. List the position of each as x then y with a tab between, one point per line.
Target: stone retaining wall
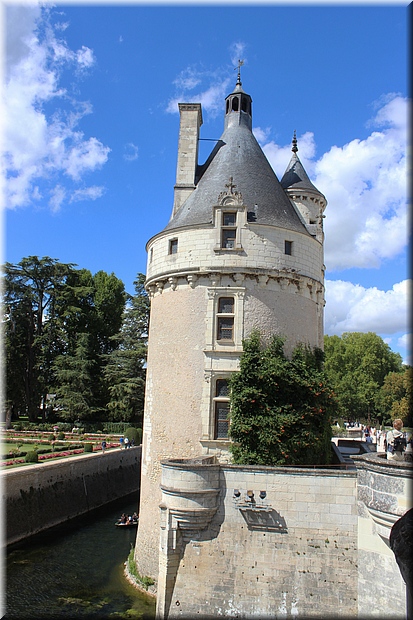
37	497
257	542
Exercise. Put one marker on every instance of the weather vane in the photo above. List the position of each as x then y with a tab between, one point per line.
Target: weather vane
240	63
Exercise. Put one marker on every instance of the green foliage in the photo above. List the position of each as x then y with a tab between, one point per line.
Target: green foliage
143	581
88	447
395	397
32	457
116	428
74	393
356	365
49	308
61	436
125	366
31	289
134	434
280	408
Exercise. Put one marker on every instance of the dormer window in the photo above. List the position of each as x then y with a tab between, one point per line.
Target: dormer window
228	230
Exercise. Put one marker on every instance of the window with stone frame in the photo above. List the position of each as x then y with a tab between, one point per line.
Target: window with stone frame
225	319
229	230
173	246
288	247
221	409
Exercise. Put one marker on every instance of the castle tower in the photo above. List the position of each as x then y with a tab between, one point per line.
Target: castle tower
236	255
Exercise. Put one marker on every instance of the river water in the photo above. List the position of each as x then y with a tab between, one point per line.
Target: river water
76	572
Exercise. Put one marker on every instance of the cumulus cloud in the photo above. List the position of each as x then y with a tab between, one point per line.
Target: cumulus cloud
352	307
41	151
365	182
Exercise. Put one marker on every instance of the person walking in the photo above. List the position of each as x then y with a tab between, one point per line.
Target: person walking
121	441
103	446
126	443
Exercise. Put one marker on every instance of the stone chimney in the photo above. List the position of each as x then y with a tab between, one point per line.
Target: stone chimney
191	121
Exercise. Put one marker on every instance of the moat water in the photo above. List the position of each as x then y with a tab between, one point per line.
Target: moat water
76	572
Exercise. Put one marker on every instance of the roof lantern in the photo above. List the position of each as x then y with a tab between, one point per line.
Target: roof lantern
238	110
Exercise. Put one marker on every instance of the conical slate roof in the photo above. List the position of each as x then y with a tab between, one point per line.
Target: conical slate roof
295	177
238	155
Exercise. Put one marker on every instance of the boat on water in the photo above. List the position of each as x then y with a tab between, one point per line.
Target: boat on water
125	521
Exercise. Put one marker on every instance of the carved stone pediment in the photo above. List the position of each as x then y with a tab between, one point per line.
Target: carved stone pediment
230	196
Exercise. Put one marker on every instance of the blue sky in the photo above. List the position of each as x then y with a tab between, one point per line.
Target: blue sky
90	138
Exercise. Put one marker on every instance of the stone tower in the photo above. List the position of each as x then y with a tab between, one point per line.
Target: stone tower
241	251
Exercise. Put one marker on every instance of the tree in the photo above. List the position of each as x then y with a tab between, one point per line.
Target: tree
395	397
280	408
125	366
30	288
74	394
356	366
48	305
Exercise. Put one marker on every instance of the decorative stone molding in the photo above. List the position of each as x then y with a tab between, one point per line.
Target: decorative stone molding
229	196
173	282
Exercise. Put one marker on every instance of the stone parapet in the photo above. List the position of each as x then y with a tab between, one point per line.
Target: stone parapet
383	496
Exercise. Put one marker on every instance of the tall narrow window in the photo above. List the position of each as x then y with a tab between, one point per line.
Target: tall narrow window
221	409
229	230
225	319
173	246
288	247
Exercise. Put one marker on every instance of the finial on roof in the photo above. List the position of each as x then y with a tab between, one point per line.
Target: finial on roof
295	147
240	63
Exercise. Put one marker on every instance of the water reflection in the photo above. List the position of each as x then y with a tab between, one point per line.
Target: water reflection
76	574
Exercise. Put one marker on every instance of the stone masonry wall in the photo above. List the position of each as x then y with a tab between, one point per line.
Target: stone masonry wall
294	552
37	497
384	494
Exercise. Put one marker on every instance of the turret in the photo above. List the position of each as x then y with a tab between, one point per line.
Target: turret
310	202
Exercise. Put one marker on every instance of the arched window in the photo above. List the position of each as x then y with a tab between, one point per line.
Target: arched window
235	104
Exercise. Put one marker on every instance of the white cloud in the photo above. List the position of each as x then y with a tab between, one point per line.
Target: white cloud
365	183
279	156
87	193
131	152
57	197
212	88
40	150
351	307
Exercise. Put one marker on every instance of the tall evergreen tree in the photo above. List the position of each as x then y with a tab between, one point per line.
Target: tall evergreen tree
74	395
30	288
125	366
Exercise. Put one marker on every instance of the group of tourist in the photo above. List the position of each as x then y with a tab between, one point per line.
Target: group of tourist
394	443
131	520
126	443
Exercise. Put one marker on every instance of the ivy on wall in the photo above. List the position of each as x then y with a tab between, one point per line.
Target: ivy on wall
280	408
